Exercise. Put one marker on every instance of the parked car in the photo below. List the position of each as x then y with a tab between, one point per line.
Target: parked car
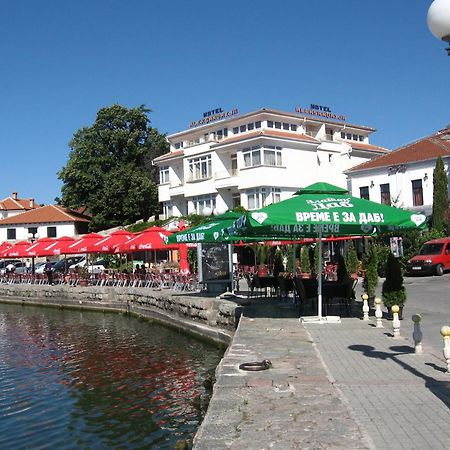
433	258
63	264
97	267
4	263
40	266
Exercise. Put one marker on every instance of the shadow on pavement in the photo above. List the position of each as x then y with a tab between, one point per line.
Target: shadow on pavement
441	389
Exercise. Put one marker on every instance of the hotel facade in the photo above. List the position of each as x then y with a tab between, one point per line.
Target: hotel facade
225	160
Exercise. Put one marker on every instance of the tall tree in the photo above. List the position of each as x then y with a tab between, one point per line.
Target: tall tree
440	196
109	168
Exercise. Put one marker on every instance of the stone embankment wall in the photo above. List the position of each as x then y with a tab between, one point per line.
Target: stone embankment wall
204	317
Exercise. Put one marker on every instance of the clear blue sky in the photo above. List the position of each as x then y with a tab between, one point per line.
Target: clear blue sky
374	61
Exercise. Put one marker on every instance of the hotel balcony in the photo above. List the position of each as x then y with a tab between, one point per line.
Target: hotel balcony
176	187
226	179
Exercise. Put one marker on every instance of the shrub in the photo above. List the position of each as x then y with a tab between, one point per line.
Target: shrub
351	259
371	278
393	291
305	263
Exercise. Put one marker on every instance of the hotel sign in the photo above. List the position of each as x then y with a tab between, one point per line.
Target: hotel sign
212	116
321	111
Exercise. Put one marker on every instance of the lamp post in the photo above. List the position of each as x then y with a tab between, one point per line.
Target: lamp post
438	19
32	237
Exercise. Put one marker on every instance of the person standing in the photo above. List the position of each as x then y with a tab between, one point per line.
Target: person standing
48	269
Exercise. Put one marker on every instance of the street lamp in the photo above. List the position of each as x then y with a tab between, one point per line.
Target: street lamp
32	237
438	19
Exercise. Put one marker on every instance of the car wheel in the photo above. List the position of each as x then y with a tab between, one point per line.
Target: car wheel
439	270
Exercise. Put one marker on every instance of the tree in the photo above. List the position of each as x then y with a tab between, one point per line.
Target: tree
393	291
440	196
109	168
351	259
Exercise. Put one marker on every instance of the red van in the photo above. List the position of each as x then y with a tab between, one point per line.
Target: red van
433	258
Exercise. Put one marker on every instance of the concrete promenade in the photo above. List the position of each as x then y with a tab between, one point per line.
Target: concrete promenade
346	386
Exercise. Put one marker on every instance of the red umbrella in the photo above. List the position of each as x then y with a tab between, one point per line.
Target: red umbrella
4	246
34	248
18	250
150	239
107	244
81	245
55	248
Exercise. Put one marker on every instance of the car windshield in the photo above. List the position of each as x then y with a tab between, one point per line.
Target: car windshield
431	249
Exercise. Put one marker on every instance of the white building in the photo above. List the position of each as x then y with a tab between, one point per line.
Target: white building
46	221
10	206
226	160
403	177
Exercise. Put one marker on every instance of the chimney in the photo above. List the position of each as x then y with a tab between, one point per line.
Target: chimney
14	195
31	203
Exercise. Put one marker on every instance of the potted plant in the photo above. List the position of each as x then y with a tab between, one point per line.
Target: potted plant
351	261
83	275
371	274
261	251
393	291
305	263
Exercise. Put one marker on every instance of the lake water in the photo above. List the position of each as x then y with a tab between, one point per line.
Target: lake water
72	379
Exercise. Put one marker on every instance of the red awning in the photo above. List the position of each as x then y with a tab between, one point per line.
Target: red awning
49	246
18	250
107	244
150	239
80	245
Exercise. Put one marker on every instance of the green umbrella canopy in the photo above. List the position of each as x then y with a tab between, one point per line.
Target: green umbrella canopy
209	232
326	208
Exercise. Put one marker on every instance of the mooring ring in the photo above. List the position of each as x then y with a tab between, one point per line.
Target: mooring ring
255	366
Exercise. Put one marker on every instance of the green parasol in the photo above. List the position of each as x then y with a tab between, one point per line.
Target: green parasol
320	210
209	232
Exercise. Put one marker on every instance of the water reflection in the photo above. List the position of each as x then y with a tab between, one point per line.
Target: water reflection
76	380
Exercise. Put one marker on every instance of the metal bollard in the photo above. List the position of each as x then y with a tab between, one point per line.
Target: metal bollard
396	321
417	333
445	331
378	313
365	307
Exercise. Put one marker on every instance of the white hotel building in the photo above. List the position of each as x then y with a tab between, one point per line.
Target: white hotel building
258	158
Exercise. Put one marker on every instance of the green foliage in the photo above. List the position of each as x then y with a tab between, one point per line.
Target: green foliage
317	269
371	265
440	197
278	265
239	209
305	263
351	259
192	260
289	255
393	291
108	170
262	252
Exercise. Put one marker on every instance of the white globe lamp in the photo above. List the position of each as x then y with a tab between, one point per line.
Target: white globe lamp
207	211
438	19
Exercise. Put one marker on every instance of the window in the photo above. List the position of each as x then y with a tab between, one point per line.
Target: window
51	232
417	192
293	127
164	175
272	155
255	198
235	130
250	126
177	145
278	125
203	201
342	135
385	194
11	233
349	136
285	126
275	193
234	165
33	231
252	156
200	168
355	137
167	209
236	200
364	192
361	138
270	124
243	128
258	124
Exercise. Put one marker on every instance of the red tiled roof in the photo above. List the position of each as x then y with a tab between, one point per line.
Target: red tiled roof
11	204
46	214
363	146
169	155
424	149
